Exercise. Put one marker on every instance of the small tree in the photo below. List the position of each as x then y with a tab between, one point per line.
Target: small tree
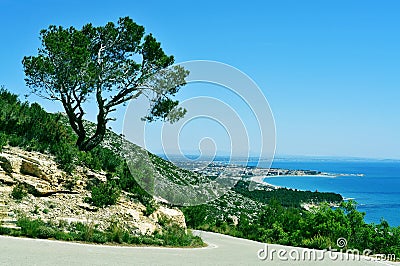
112	64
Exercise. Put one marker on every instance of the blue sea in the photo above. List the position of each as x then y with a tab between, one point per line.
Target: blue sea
377	192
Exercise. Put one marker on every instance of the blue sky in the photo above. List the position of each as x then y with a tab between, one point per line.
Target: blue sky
329	69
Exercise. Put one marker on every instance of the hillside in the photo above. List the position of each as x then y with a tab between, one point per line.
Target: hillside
52	190
48	189
53	195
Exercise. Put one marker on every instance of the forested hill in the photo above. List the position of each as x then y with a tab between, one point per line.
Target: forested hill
287	197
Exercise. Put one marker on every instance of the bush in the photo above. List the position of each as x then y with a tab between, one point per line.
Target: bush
5	230
151	206
318	242
18	192
36	228
45	232
104	194
99	238
29	227
60	235
176	236
65	156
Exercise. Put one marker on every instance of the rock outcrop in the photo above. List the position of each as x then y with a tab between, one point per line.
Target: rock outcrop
55	195
36	171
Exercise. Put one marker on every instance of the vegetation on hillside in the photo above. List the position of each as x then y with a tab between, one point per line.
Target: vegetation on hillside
287	197
318	228
30	127
268	216
172	235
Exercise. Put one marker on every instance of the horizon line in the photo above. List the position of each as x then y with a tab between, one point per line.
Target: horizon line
286	156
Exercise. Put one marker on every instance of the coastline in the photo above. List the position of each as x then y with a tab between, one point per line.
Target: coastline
278	176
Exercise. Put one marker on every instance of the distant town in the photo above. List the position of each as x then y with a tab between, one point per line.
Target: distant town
216	169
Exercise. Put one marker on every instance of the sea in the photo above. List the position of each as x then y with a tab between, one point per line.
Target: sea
373	184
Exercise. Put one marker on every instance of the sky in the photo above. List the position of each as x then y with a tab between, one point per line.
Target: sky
329	69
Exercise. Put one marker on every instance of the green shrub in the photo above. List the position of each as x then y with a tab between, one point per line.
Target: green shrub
174	235
65	156
60	235
18	192
151	206
36	228
5	230
318	242
102	158
104	194
30	227
99	238
45	232
15	141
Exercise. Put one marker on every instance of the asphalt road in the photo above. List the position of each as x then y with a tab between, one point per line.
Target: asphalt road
222	250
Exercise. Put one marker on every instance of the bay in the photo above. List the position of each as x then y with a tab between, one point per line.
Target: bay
377	191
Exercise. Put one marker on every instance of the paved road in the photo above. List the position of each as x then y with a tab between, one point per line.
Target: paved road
222	250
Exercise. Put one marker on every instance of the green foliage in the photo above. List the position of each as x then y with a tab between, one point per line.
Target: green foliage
34	127
151	206
173	236
318	228
105	194
280	221
18	192
319	242
36	210
31	128
5	230
286	197
127	182
3	141
32	228
66	156
101	159
111	64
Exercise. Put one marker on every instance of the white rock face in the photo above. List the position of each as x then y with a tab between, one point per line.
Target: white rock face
171	215
51	196
37	171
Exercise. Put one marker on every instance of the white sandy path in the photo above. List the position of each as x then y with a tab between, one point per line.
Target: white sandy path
222	250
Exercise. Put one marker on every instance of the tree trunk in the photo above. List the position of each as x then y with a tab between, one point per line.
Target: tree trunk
92	142
98	136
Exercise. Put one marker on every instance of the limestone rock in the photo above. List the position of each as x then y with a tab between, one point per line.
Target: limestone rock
172	215
55	195
10	163
6	179
98	176
31	168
